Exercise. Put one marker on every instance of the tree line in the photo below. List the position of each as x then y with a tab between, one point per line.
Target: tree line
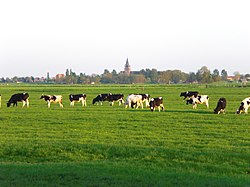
144	76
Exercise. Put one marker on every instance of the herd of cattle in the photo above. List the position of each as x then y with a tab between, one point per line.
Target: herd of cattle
132	101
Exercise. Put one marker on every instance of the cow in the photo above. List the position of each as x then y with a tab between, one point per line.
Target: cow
200	99
19	97
145	99
100	98
189	94
221	105
156	103
0	101
244	105
133	100
52	99
78	98
115	97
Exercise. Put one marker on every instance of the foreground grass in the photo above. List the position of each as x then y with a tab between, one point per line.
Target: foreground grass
111	146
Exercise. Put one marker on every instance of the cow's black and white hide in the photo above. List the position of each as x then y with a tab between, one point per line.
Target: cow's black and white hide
115	97
100	98
78	98
221	106
200	99
156	103
52	99
134	101
244	105
19	97
189	94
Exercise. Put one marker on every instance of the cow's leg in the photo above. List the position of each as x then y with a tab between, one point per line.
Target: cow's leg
141	104
159	108
246	110
207	105
27	103
61	105
137	104
23	104
162	107
48	104
194	106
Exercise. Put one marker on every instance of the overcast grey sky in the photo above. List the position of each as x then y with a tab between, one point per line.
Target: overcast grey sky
89	36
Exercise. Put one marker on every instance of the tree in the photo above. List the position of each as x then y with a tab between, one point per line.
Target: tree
154	76
237	75
216	75
203	75
224	75
178	76
165	77
191	77
67	72
138	79
106	77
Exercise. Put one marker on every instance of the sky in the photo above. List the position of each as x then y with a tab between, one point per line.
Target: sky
89	36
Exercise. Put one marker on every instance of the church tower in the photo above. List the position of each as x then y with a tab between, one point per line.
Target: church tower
127	68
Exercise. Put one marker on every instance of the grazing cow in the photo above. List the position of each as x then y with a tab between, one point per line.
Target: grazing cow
134	100
19	97
156	103
115	97
78	98
221	105
145	98
244	105
52	99
189	94
100	98
200	99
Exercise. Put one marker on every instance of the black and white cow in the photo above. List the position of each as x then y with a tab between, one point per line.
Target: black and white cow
52	99
221	106
200	99
100	98
134	100
78	98
145	99
19	97
115	97
156	103
189	94
244	105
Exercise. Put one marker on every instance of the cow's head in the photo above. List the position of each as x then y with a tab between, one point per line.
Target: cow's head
8	104
241	108
183	94
94	101
152	104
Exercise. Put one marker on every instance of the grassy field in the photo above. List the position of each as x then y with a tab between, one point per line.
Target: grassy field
114	146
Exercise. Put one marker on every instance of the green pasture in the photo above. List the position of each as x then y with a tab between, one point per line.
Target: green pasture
113	146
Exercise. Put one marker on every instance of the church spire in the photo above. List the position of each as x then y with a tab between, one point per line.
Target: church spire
127	68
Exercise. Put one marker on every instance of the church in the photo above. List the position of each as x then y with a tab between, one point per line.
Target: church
127	69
